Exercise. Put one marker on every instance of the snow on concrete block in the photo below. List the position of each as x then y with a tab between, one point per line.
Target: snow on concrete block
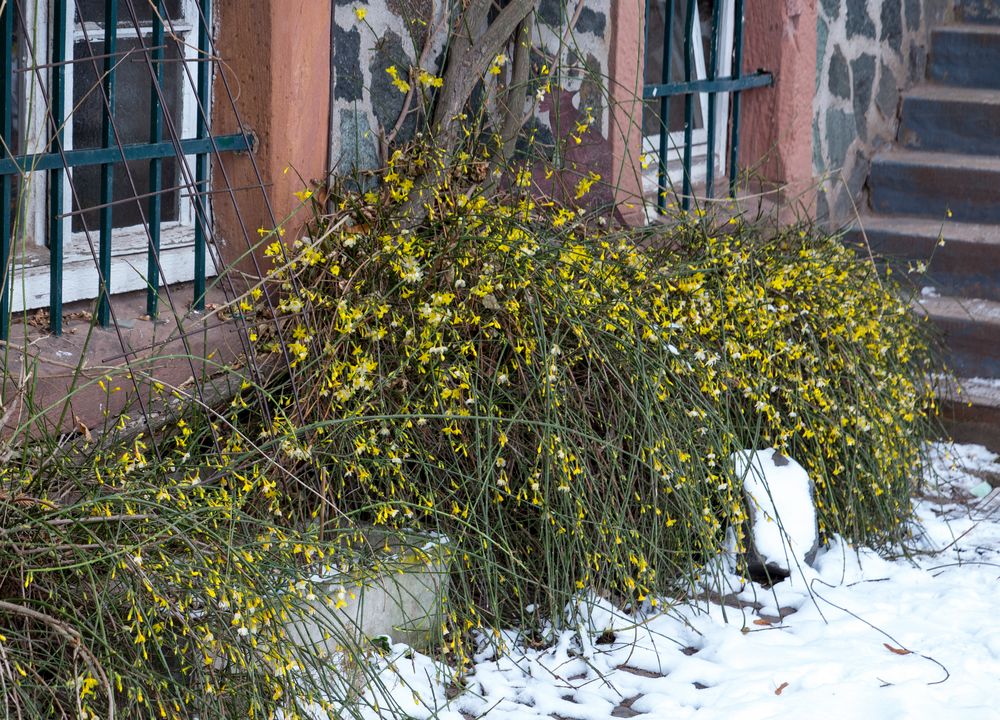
779	495
396	592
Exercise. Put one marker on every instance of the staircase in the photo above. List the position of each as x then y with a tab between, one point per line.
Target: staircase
941	181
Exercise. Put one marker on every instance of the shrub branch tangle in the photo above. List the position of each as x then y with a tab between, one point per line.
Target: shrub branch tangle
562	403
558	399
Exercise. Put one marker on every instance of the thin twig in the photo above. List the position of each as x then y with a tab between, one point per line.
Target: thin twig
75	640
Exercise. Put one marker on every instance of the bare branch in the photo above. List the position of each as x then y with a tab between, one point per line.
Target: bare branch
468	63
517	89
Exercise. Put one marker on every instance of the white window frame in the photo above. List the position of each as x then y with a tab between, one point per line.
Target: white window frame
675	140
130	245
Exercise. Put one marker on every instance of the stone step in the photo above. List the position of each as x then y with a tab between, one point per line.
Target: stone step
930	184
971	330
972	415
978	11
966	55
951	119
967	264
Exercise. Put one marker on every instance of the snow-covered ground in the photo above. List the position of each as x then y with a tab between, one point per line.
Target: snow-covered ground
855	636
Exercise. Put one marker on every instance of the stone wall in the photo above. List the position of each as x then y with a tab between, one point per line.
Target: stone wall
369	37
572	39
868	52
570	57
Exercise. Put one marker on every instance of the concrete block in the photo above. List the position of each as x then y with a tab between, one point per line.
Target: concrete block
398	591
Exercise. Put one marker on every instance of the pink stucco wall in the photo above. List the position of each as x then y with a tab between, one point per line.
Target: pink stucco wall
776	139
625	135
276	57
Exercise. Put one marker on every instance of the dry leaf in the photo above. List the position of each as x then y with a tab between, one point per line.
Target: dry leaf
40	318
780	688
898	651
762	621
82	428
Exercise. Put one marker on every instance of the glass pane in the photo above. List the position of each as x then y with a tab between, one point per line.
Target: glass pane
93	11
132	119
21	81
14	143
87	181
655	48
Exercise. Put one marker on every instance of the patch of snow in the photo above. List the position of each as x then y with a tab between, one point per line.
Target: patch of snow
913	637
782	513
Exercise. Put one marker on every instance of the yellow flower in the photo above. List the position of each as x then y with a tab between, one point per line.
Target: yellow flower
498	62
400	83
360	13
428	80
583	187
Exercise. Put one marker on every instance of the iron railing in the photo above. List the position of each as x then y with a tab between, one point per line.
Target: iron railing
690	86
165	140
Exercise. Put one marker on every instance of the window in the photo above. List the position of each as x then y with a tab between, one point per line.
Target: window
662	31
35	35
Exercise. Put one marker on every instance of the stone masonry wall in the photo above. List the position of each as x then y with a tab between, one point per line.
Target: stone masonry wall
868	51
569	71
369	37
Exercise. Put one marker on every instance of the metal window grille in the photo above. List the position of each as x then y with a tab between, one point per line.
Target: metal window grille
676	67
110	40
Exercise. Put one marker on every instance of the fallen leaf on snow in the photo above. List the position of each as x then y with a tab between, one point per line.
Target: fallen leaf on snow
898	651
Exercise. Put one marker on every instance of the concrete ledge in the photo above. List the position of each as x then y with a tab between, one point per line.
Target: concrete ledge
83	380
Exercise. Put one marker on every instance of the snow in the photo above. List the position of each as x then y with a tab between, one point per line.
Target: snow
914	636
781	506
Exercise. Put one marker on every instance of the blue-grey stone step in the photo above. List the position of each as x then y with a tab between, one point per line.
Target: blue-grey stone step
971	411
932	184
960	258
971	329
978	11
951	119
966	55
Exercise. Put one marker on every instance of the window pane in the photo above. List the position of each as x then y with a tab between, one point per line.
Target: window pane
15	143
87	181
132	118
655	47
93	11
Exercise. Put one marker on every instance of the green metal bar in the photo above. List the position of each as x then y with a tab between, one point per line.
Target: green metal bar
661	168
713	71
692	7
6	125
734	144
107	169
201	161
101	156
758	79
57	103
155	165
645	32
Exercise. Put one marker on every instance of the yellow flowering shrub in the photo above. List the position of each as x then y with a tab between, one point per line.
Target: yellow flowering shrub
155	578
558	398
561	400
